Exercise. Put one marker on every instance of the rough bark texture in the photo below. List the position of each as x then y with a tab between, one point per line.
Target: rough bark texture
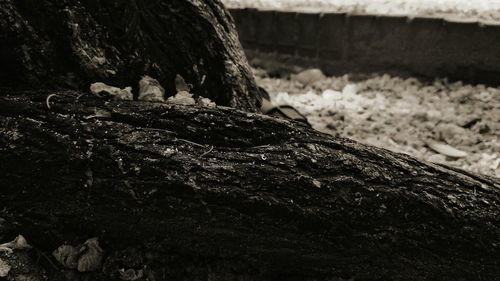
69	44
218	194
198	193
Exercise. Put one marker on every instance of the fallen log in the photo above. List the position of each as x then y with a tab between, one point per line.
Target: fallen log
199	193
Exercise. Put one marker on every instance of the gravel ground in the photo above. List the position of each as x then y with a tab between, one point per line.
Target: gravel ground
441	122
481	10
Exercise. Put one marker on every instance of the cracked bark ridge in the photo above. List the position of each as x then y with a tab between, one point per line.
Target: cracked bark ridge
218	194
69	44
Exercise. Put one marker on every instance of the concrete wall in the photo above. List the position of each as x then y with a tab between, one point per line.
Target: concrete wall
341	43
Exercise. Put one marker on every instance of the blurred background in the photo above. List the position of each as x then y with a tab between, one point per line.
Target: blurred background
478	9
416	77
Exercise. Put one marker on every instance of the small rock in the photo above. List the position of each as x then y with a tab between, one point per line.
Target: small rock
350	90
331	95
308	77
449	131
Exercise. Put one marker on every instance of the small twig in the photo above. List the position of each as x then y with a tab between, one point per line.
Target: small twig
47	101
190	142
207	152
159	130
261	146
79	96
42	254
96	116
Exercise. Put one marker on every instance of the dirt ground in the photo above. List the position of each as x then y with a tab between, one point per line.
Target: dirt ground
442	122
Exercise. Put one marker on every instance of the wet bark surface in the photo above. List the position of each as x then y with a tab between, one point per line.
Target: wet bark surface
70	44
197	193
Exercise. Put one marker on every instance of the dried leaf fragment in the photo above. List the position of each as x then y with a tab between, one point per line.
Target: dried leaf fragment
317	183
84	258
19	243
151	90
99	88
99	113
4	268
446	150
67	256
206	102
6	250
180	84
130	274
90	256
182	98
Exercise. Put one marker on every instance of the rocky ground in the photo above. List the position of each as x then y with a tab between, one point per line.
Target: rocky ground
480	10
450	123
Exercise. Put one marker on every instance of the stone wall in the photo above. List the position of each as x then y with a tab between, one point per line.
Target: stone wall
342	43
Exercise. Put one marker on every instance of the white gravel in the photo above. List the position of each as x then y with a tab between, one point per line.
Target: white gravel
483	10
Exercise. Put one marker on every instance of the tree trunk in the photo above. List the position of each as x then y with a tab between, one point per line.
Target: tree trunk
69	44
197	193
200	193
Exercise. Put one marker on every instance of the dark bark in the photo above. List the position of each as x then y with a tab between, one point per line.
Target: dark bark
69	44
219	194
194	193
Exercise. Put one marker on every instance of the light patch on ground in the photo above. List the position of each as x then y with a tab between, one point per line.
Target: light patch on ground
488	10
402	115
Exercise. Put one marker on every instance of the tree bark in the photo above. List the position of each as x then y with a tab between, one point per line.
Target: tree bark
197	193
70	44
